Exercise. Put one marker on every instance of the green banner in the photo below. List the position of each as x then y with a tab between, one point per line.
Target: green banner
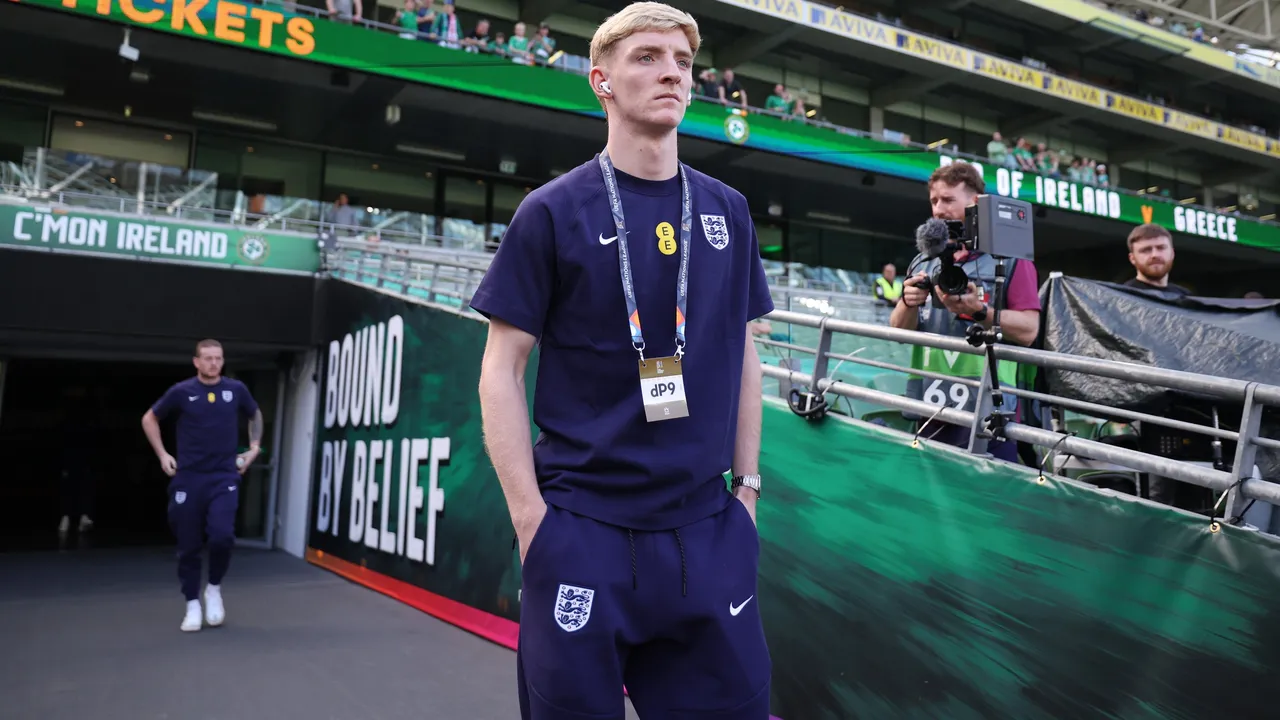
271	30
895	582
403	485
142	237
1127	208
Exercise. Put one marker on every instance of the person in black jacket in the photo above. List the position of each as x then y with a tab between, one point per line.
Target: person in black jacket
1151	254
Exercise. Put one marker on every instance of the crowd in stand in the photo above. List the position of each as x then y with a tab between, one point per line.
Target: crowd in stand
1056	164
1168	22
436	21
426	21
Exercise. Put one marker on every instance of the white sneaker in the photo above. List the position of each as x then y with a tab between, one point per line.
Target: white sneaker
86	523
64	525
214	613
191	623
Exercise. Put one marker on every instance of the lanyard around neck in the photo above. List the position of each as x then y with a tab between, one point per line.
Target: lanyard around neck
624	257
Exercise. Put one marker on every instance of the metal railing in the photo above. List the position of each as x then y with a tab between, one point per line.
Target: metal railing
42	179
447	279
1252	396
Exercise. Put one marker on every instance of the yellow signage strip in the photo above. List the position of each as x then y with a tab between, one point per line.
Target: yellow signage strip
870	32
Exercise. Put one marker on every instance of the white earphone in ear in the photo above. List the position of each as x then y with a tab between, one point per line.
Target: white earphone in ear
604	87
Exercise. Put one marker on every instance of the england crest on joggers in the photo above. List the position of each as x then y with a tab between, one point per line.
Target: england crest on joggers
573	607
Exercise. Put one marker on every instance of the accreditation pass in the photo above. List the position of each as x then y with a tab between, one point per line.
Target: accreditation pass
662	387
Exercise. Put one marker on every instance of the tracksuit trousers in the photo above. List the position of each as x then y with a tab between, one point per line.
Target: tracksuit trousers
200	505
672	615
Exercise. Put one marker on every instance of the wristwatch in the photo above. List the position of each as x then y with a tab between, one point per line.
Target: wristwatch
751	481
981	314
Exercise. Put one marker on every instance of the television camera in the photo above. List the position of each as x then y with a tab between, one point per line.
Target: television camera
997	226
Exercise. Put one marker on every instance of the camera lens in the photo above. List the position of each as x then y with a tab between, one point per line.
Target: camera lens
951	279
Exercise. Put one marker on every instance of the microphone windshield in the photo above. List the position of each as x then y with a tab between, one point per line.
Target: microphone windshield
932	237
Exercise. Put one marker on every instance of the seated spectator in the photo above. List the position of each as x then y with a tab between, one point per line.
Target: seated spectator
543	46
782	103
499	44
407	19
343	11
731	90
998	152
1075	173
1046	161
1089	172
1022	155
708	83
478	40
426	20
447	28
1104	180
518	46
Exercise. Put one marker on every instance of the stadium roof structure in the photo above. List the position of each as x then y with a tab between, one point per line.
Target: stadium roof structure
1232	23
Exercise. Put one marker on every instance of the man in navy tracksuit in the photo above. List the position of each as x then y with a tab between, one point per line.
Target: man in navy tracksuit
637	277
205	491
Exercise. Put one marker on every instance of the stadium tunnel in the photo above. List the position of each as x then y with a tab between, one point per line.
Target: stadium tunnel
86	345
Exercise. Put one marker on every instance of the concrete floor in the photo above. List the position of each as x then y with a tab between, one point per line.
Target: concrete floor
94	634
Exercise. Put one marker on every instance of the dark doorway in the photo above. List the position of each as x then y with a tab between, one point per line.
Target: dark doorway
71	443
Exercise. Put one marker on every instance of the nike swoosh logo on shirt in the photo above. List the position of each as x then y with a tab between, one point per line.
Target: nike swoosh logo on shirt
605	241
734	610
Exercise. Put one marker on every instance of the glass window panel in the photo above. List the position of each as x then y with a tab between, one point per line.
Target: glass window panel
465	204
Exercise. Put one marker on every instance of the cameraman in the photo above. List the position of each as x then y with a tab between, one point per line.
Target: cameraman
952	188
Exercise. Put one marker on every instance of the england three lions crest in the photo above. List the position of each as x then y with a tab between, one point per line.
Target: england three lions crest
716	230
573	607
227	396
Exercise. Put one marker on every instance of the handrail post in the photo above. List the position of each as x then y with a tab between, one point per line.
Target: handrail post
981	409
1246	452
821	360
385	271
431	287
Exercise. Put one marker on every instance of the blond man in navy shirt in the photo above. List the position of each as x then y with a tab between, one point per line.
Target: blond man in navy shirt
204	493
634	511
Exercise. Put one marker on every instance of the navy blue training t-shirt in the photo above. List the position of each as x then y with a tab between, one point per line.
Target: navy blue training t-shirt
207	422
556	276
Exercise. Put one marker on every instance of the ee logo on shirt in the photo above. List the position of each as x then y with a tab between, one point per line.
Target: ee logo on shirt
666	238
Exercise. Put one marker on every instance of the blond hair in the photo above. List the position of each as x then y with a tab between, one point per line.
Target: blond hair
642	17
